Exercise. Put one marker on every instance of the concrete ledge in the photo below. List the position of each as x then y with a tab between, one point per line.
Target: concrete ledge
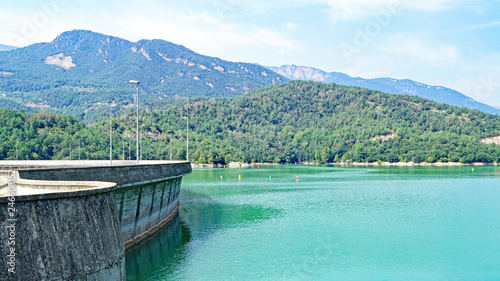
38	164
122	175
29	190
76	217
71	235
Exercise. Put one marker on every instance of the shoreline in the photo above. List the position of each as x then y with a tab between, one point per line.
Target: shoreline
385	164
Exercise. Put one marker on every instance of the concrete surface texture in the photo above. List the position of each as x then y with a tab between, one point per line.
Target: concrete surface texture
57	236
74	219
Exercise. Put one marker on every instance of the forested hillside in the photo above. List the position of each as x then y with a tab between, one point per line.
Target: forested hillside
386	85
295	122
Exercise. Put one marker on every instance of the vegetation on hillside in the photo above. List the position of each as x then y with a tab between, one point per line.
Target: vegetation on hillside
295	122
387	85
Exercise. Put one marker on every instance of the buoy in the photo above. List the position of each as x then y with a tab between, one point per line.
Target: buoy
297	177
258	166
270	177
239	177
473	169
220	177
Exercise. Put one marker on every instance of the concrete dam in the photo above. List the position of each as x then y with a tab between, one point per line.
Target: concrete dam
74	220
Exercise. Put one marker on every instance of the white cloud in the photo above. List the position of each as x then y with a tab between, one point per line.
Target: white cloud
291	25
419	51
205	33
490	24
482	85
347	10
196	25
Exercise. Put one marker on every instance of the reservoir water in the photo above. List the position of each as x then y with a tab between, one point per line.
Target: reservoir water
334	223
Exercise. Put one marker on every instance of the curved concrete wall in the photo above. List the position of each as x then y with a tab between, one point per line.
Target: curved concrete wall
145	209
123	176
67	234
75	234
147	196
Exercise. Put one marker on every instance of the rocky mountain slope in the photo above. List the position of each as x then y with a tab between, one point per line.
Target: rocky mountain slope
80	69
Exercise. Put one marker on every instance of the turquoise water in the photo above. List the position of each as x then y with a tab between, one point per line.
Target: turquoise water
334	223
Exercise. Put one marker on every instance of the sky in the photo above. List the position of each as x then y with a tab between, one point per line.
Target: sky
451	43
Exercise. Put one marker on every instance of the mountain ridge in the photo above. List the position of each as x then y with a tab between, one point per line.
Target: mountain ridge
80	68
81	71
387	85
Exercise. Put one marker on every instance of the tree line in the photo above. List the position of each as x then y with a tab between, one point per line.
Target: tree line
295	122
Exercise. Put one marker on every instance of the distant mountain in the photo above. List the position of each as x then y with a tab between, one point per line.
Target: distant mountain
6	48
81	69
387	85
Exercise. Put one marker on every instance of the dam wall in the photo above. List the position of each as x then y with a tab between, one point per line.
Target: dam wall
75	221
143	210
147	196
66	234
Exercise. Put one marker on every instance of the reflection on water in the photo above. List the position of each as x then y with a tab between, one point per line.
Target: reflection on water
203	214
199	214
160	254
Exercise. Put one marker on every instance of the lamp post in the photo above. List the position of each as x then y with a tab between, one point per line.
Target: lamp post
79	146
17	150
70	152
142	130
123	148
110	134
187	138
170	136
137	136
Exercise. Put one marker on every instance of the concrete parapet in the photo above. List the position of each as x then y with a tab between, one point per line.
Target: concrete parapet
122	175
63	234
75	219
147	195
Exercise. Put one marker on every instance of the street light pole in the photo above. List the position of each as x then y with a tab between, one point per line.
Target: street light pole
170	135
137	131
17	150
79	145
110	134
123	148
70	151
187	138
142	131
